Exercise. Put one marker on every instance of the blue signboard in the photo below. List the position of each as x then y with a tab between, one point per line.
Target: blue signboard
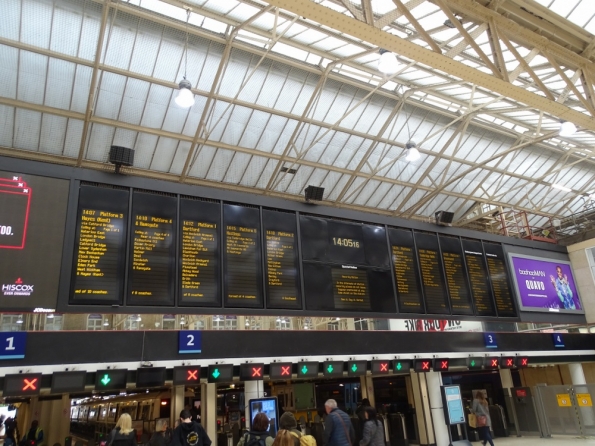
490	340
190	341
12	344
453	404
558	341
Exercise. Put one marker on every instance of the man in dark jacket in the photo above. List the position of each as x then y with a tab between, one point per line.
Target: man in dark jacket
338	430
189	433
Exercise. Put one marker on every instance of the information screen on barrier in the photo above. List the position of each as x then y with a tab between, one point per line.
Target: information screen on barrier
268	406
32	219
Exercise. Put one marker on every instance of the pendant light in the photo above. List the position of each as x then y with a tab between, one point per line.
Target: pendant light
567	128
388	63
185	96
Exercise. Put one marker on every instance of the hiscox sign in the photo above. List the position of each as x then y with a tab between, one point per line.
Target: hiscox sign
434	325
18	288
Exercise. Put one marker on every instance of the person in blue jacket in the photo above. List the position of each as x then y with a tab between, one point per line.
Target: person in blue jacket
338	430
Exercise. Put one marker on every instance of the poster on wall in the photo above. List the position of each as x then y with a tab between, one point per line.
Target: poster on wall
545	284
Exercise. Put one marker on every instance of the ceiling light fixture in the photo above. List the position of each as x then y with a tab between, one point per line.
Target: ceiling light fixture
560	187
388	63
411	154
105	323
19	320
185	96
567	128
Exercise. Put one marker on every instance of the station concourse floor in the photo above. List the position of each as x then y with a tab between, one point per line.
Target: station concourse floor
556	440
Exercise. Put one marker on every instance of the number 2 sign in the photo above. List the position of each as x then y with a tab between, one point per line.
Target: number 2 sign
190	341
12	345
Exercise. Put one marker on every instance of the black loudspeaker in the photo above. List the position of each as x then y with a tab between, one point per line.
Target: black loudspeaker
444	218
314	193
121	156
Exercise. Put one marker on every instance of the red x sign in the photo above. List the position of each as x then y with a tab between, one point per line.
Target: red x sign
286	370
192	375
256	371
444	365
425	365
524	362
384	367
509	362
30	384
494	363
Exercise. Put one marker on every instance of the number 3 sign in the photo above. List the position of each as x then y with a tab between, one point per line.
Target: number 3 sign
12	345
190	341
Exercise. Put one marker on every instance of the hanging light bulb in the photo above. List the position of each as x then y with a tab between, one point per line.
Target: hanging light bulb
388	63
411	154
567	128
19	320
185	97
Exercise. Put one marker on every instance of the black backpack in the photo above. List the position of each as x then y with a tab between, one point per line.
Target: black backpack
255	440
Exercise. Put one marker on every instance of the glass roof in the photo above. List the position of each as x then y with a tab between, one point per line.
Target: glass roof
480	91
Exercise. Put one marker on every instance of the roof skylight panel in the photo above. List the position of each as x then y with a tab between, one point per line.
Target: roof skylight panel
336	7
290	51
222	7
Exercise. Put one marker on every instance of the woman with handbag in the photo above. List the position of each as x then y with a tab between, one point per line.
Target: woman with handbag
482	416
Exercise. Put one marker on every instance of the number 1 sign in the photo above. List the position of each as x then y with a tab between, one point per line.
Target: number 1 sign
190	341
12	345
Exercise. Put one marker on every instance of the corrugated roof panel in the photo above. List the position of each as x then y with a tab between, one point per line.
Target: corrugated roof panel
266	173
194	115
10	11
334	184
27	126
164	154
31	77
378	194
35	30
67	22
206	63
120	44
254	135
6	125
353	190
90	31
390	199
366	192
253	170
180	156
146	47
72	140
169	61
236	168
60	81
220	164
8	71
144	148
53	133
156	106
98	142
282	140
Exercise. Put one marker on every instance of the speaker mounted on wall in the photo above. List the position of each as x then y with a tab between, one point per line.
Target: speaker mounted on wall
121	156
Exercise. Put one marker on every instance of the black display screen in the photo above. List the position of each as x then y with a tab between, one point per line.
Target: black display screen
32	220
22	384
110	379
432	275
334	241
199	273
406	271
187	375
281	260
152	250
500	280
66	382
344	287
242	257
150	377
456	275
478	278
100	242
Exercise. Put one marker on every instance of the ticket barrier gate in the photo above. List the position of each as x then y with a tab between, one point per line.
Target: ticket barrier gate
397	430
523	408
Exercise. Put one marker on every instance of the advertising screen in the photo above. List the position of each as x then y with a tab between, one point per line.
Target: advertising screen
32	219
545	284
269	407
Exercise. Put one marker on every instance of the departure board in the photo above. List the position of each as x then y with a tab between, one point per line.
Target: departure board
100	254
281	260
242	257
432	276
477	270
406	271
198	272
456	275
152	250
350	289
500	280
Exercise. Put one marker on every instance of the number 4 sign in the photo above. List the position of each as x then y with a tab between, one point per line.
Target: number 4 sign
190	341
12	345
558	341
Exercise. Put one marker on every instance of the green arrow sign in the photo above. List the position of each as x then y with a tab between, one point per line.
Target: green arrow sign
354	368
399	366
216	373
330	368
304	369
473	363
106	379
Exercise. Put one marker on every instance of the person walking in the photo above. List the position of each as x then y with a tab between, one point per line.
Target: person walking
482	413
189	433
259	432
123	434
373	429
338	430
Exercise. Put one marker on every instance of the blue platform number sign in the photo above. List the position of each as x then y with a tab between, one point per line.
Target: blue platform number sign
490	340
12	345
190	341
558	341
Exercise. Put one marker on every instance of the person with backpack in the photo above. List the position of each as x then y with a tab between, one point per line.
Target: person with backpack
123	434
284	438
289	423
259	432
338	430
373	429
189	433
